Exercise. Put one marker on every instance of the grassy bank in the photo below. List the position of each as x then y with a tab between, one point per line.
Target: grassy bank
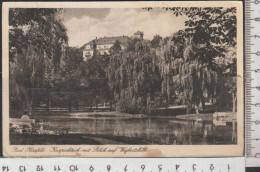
178	111
204	117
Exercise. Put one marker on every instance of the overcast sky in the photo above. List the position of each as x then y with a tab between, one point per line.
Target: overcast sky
84	25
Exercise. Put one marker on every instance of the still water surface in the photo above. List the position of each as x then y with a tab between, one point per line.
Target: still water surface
144	130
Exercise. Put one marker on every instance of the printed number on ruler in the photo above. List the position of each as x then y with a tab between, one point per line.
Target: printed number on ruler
252	82
123	165
74	168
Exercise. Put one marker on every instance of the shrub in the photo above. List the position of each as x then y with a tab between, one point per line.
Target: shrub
26	129
14	129
126	106
35	128
62	131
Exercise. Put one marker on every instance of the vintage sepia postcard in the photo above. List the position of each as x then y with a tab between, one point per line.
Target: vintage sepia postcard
122	79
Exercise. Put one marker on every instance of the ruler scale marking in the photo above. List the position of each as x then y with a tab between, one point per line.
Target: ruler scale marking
252	71
123	165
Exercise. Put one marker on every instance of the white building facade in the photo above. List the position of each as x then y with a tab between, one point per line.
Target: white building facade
102	46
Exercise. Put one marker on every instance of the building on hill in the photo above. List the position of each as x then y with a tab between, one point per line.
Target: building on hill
103	45
138	35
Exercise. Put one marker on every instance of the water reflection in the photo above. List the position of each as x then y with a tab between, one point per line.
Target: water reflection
147	130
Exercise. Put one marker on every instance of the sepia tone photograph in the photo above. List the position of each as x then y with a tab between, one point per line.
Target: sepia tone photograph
136	75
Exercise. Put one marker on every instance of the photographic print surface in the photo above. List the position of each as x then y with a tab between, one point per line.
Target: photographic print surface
136	79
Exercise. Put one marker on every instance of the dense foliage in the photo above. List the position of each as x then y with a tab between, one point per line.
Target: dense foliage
191	67
37	39
134	80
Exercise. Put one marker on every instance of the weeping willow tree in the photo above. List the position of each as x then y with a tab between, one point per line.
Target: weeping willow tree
134	78
196	71
193	78
37	39
184	71
189	58
166	71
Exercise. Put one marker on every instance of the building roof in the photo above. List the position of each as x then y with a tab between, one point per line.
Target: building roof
109	40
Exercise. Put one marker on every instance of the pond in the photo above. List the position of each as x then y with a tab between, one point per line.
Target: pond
143	130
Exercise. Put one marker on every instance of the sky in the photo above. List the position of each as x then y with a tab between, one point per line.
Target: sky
85	24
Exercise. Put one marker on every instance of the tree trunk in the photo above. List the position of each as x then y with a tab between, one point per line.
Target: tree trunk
234	135
188	108
234	99
148	104
77	104
90	104
32	81
166	103
31	102
96	102
70	103
110	105
197	108
203	103
48	102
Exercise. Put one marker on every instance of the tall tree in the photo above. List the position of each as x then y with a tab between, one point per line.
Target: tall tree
190	57
94	79
115	48
134	78
67	80
155	43
37	41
